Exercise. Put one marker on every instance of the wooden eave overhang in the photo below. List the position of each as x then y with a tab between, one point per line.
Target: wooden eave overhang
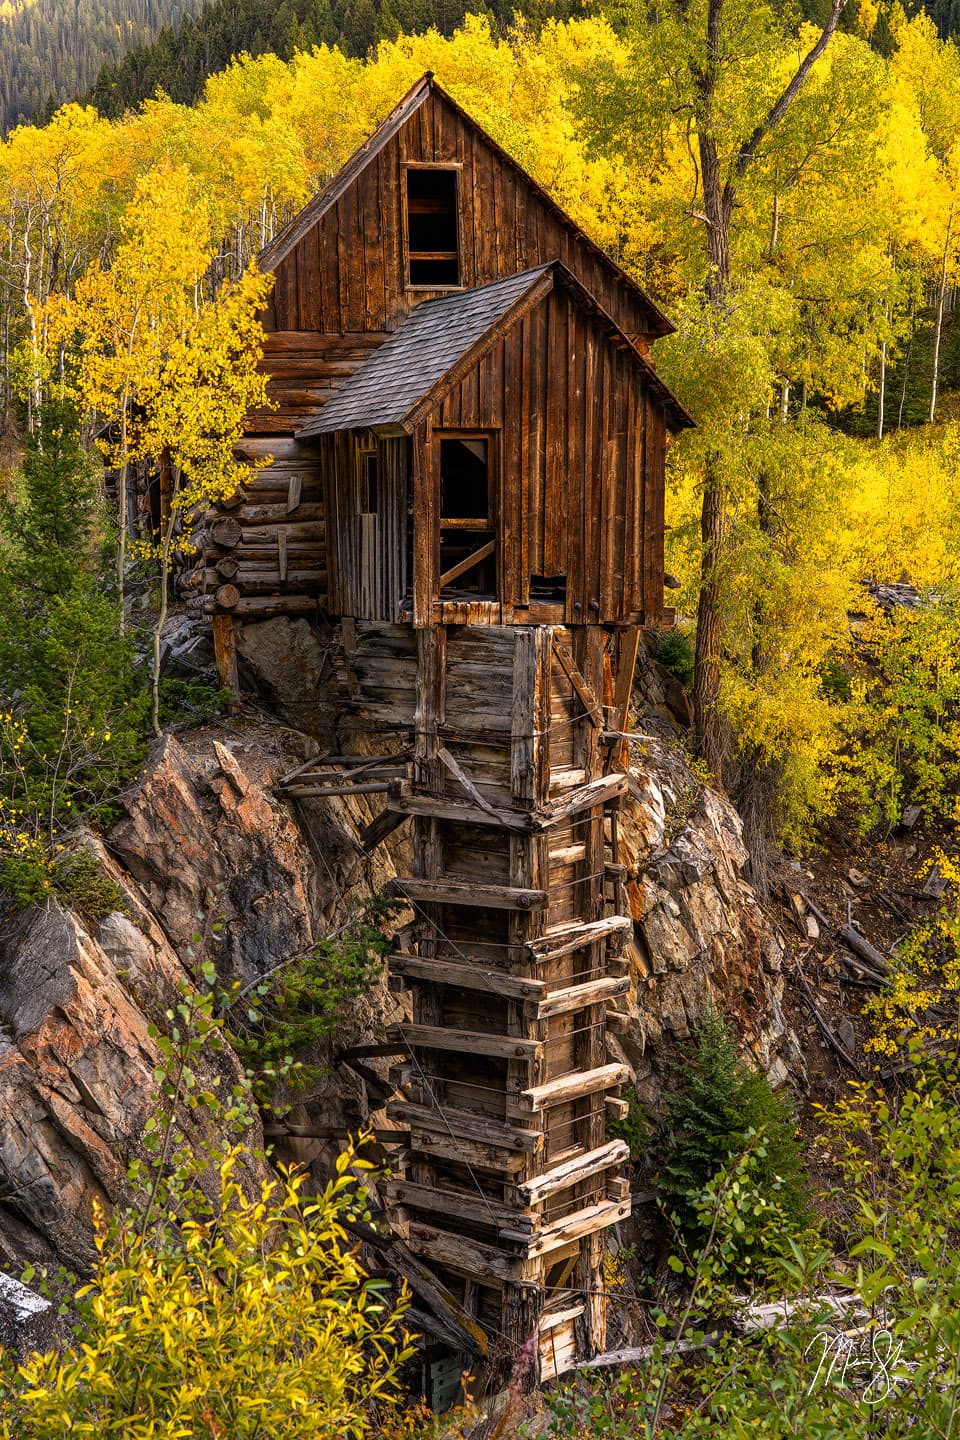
299	226
438	343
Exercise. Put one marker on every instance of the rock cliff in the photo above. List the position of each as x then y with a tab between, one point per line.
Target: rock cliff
213	864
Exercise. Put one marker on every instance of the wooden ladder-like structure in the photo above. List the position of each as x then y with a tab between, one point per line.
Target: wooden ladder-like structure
513	957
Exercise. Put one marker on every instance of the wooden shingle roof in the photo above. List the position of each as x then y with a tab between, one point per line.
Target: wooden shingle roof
425	357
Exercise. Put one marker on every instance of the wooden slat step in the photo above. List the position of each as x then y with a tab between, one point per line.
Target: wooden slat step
453	892
562	939
466	1042
572	1227
578	997
465	1125
571	1172
469	977
459	1204
570	1087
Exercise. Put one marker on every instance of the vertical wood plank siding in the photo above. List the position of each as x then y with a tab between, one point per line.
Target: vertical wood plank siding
580	492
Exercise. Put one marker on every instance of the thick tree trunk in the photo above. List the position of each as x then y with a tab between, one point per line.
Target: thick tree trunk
708	729
719	201
881	392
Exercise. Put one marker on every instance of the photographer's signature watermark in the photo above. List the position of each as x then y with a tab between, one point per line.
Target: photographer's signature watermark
866	1363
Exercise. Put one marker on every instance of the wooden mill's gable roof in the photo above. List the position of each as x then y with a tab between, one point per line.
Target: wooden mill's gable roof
295	230
425	357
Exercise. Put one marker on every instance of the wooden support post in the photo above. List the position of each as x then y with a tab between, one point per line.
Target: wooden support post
225	650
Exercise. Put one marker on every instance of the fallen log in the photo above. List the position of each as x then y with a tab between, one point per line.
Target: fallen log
851	937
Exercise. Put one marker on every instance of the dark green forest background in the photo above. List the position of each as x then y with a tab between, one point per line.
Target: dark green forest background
115	53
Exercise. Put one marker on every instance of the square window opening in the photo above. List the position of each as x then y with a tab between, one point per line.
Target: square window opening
433	250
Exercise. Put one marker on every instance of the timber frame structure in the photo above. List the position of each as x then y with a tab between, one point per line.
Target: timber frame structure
467	483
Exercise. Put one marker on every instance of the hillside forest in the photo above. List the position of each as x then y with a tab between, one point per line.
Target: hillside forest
788	191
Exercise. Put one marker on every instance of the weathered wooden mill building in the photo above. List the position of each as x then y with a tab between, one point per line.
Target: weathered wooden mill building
468	449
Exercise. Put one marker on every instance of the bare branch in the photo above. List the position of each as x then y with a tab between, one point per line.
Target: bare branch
779	109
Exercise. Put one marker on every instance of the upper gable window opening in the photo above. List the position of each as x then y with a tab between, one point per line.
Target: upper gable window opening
432	196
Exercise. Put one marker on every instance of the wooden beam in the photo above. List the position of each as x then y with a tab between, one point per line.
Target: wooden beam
585	797
335	1132
462	892
469	977
467	1042
406	802
432	1290
565	938
629	646
225	650
464	1254
572	1227
458	1204
571	1087
465	1125
583	690
463	780
571	1172
467	563
578	997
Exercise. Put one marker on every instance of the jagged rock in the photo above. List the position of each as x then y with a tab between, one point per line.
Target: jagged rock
26	1319
286	660
207	843
77	1081
187	652
699	933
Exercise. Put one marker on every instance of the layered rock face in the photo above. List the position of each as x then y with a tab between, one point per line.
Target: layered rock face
203	840
700	935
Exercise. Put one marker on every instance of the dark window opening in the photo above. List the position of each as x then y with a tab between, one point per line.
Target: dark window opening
369	483
432	231
547	588
468	559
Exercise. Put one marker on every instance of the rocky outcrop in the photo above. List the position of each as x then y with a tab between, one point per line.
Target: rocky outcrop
211	865
77	1066
700	934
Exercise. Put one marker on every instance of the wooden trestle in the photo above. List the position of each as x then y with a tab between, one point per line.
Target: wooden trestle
512	959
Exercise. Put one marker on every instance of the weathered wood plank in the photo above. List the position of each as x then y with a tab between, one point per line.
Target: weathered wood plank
449	892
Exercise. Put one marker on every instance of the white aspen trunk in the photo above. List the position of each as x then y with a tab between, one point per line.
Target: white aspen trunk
938	329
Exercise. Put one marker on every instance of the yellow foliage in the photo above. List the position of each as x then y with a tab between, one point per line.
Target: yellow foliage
259	1320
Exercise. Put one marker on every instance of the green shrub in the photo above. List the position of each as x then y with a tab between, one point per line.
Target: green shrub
721	1109
29	874
301	1002
634	1128
190	700
72	706
674	651
82	883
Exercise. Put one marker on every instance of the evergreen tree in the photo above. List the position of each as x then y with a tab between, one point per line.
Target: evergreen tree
719	1105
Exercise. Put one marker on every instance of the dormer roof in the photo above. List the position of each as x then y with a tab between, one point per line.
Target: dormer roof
424	358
